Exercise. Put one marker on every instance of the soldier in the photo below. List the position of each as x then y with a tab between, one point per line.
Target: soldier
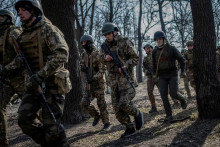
10	84
46	51
121	91
164	66
186	79
189	61
94	70
148	70
218	61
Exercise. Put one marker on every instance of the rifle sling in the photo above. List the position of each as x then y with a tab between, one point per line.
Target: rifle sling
158	61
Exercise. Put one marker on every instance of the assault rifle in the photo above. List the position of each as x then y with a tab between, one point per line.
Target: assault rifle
118	63
42	87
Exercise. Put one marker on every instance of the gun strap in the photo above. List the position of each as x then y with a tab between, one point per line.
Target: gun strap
158	61
41	64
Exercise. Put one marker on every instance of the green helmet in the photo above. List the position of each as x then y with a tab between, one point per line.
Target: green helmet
9	14
189	43
29	5
86	38
148	45
108	27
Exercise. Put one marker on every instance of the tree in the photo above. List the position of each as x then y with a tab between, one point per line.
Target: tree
204	60
61	14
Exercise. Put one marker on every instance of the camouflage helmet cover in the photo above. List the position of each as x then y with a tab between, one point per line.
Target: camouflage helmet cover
33	4
8	13
86	38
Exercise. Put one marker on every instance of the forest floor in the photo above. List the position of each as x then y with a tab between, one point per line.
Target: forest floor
190	132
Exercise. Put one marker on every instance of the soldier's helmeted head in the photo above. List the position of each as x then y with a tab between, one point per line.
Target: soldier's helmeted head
109	30
159	37
148	48
189	45
28	8
6	17
87	41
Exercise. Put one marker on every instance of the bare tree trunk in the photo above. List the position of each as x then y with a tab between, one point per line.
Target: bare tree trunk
160	4
204	60
61	15
111	11
140	79
92	16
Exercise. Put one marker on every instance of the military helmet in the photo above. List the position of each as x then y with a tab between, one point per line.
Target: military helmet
148	45
33	4
108	27
183	50
8	13
86	38
189	43
159	34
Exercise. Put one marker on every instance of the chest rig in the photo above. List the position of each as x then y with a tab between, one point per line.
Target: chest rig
34	48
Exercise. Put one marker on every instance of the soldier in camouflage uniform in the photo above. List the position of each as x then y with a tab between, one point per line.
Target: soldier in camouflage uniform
46	52
218	61
189	62
11	84
150	83
121	91
186	79
93	70
164	66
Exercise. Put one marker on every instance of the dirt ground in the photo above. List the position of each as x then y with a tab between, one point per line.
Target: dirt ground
187	133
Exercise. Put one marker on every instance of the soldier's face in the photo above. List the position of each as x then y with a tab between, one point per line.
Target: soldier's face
23	14
159	41
109	37
2	19
147	50
190	47
83	43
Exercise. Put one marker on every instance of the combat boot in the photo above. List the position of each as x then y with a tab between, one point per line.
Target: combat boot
153	109
139	120
107	127
96	120
128	132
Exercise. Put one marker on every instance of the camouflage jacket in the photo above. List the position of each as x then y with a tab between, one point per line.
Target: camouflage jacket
97	69
189	58
149	61
45	42
125	50
7	51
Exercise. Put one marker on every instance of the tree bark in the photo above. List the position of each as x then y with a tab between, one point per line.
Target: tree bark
139	77
160	4
61	15
92	16
204	60
111	11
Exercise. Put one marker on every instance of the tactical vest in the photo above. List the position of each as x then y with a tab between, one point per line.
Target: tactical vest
190	59
164	60
34	48
7	52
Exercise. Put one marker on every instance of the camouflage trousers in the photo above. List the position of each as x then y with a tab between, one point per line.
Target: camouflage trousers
90	108
7	91
47	132
186	86
123	105
191	78
150	87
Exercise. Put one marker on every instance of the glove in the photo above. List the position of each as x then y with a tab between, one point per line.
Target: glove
182	75
3	72
34	81
155	79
